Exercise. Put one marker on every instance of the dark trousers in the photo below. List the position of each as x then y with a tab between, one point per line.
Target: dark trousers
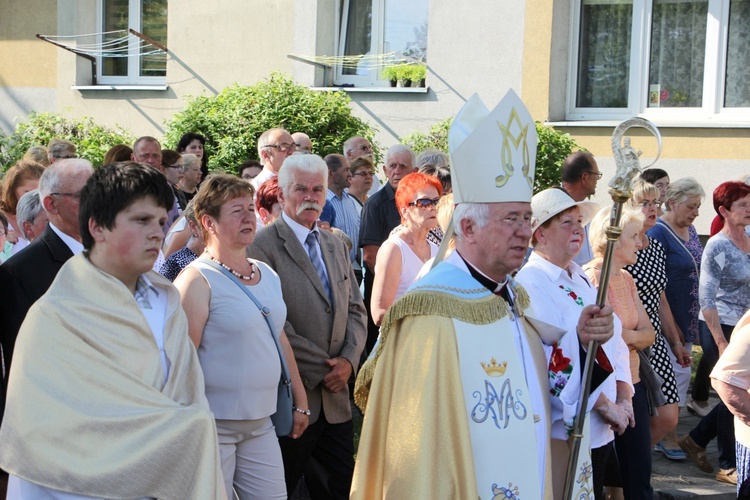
325	455
719	424
373	330
633	450
600	462
702	382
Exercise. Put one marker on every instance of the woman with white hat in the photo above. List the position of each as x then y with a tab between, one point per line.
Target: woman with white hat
551	277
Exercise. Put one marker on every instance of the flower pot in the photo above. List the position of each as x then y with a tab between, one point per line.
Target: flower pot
393	83
403	83
417	83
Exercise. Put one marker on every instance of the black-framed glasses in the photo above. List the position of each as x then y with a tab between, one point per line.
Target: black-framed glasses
64	157
282	147
364	173
177	167
77	195
425	202
597	174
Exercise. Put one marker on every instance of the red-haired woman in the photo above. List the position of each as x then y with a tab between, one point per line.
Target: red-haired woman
724	294
402	255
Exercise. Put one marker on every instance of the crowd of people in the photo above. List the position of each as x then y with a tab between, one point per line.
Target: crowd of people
155	316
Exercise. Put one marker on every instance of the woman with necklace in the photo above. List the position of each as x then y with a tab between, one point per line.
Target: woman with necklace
682	247
650	276
237	353
724	298
633	447
405	251
551	277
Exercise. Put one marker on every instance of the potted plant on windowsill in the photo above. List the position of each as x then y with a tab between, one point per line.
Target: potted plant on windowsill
390	73
417	74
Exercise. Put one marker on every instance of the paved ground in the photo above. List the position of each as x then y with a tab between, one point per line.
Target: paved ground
682	479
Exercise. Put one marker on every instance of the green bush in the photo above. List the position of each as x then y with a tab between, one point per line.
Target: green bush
551	151
92	140
233	120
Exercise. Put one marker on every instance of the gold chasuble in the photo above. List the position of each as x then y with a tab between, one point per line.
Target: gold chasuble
88	410
448	414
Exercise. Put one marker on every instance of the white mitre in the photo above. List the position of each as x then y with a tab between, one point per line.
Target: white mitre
493	153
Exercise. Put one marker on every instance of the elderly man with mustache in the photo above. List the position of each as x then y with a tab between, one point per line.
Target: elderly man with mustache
325	324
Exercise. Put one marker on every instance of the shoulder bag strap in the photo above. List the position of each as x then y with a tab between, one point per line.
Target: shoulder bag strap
679	240
266	312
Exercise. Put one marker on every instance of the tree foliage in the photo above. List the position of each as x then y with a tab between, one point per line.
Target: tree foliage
92	140
551	151
233	120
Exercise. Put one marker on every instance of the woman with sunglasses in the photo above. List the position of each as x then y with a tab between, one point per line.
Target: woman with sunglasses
404	253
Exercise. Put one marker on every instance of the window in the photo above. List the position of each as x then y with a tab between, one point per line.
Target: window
669	59
374	27
137	63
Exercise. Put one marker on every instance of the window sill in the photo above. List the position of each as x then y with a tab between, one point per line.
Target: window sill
120	87
718	123
374	90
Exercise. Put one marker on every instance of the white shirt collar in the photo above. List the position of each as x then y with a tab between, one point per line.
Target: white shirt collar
298	229
553	271
75	246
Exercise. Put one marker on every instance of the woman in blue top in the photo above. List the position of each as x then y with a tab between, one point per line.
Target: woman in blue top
676	233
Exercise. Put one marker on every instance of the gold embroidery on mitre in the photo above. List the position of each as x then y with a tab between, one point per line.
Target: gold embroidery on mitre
493	368
507	150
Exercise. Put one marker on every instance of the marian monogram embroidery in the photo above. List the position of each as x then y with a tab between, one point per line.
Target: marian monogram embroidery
500	407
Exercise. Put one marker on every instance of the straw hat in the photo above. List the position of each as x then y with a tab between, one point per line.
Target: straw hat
550	202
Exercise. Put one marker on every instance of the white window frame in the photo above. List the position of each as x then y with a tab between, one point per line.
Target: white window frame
133	77
714	74
376	45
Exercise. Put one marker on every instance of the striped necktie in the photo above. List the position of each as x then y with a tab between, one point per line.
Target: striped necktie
317	261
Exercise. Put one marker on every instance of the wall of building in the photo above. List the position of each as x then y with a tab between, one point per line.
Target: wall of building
28	66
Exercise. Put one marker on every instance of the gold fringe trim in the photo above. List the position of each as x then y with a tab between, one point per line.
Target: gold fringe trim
482	311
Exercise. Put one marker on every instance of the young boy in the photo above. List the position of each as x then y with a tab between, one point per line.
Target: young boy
105	395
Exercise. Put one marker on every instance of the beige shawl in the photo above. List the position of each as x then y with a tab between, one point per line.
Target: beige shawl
88	411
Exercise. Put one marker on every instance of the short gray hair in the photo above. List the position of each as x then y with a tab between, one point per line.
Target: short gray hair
477	212
682	189
349	144
263	139
188	159
311	163
29	207
58	147
433	157
398	149
54	175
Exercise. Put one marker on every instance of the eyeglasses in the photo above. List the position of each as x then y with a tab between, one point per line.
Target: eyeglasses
424	202
364	147
649	204
364	173
597	174
64	157
77	195
515	221
282	147
176	167
248	177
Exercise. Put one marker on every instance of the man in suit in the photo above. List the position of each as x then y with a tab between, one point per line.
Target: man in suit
25	277
325	325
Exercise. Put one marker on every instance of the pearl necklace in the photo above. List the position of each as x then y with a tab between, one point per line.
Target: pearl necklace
240	276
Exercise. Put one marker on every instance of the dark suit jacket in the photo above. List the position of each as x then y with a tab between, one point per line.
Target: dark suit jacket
317	329
23	279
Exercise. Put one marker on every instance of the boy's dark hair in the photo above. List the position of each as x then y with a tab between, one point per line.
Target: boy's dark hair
651	175
113	188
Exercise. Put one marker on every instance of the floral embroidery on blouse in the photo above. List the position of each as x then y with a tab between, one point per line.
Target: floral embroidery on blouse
559	371
572	295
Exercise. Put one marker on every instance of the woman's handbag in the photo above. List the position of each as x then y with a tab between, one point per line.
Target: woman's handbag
283	419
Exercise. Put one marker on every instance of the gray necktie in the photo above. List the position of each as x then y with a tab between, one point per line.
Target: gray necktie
317	261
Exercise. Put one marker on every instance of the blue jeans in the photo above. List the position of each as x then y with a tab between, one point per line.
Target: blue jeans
702	382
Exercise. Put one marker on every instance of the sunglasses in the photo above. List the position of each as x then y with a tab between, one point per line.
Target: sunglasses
424	202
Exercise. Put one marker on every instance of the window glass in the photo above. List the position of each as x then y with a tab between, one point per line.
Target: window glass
358	31
737	87
604	54
405	29
678	53
154	26
115	18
